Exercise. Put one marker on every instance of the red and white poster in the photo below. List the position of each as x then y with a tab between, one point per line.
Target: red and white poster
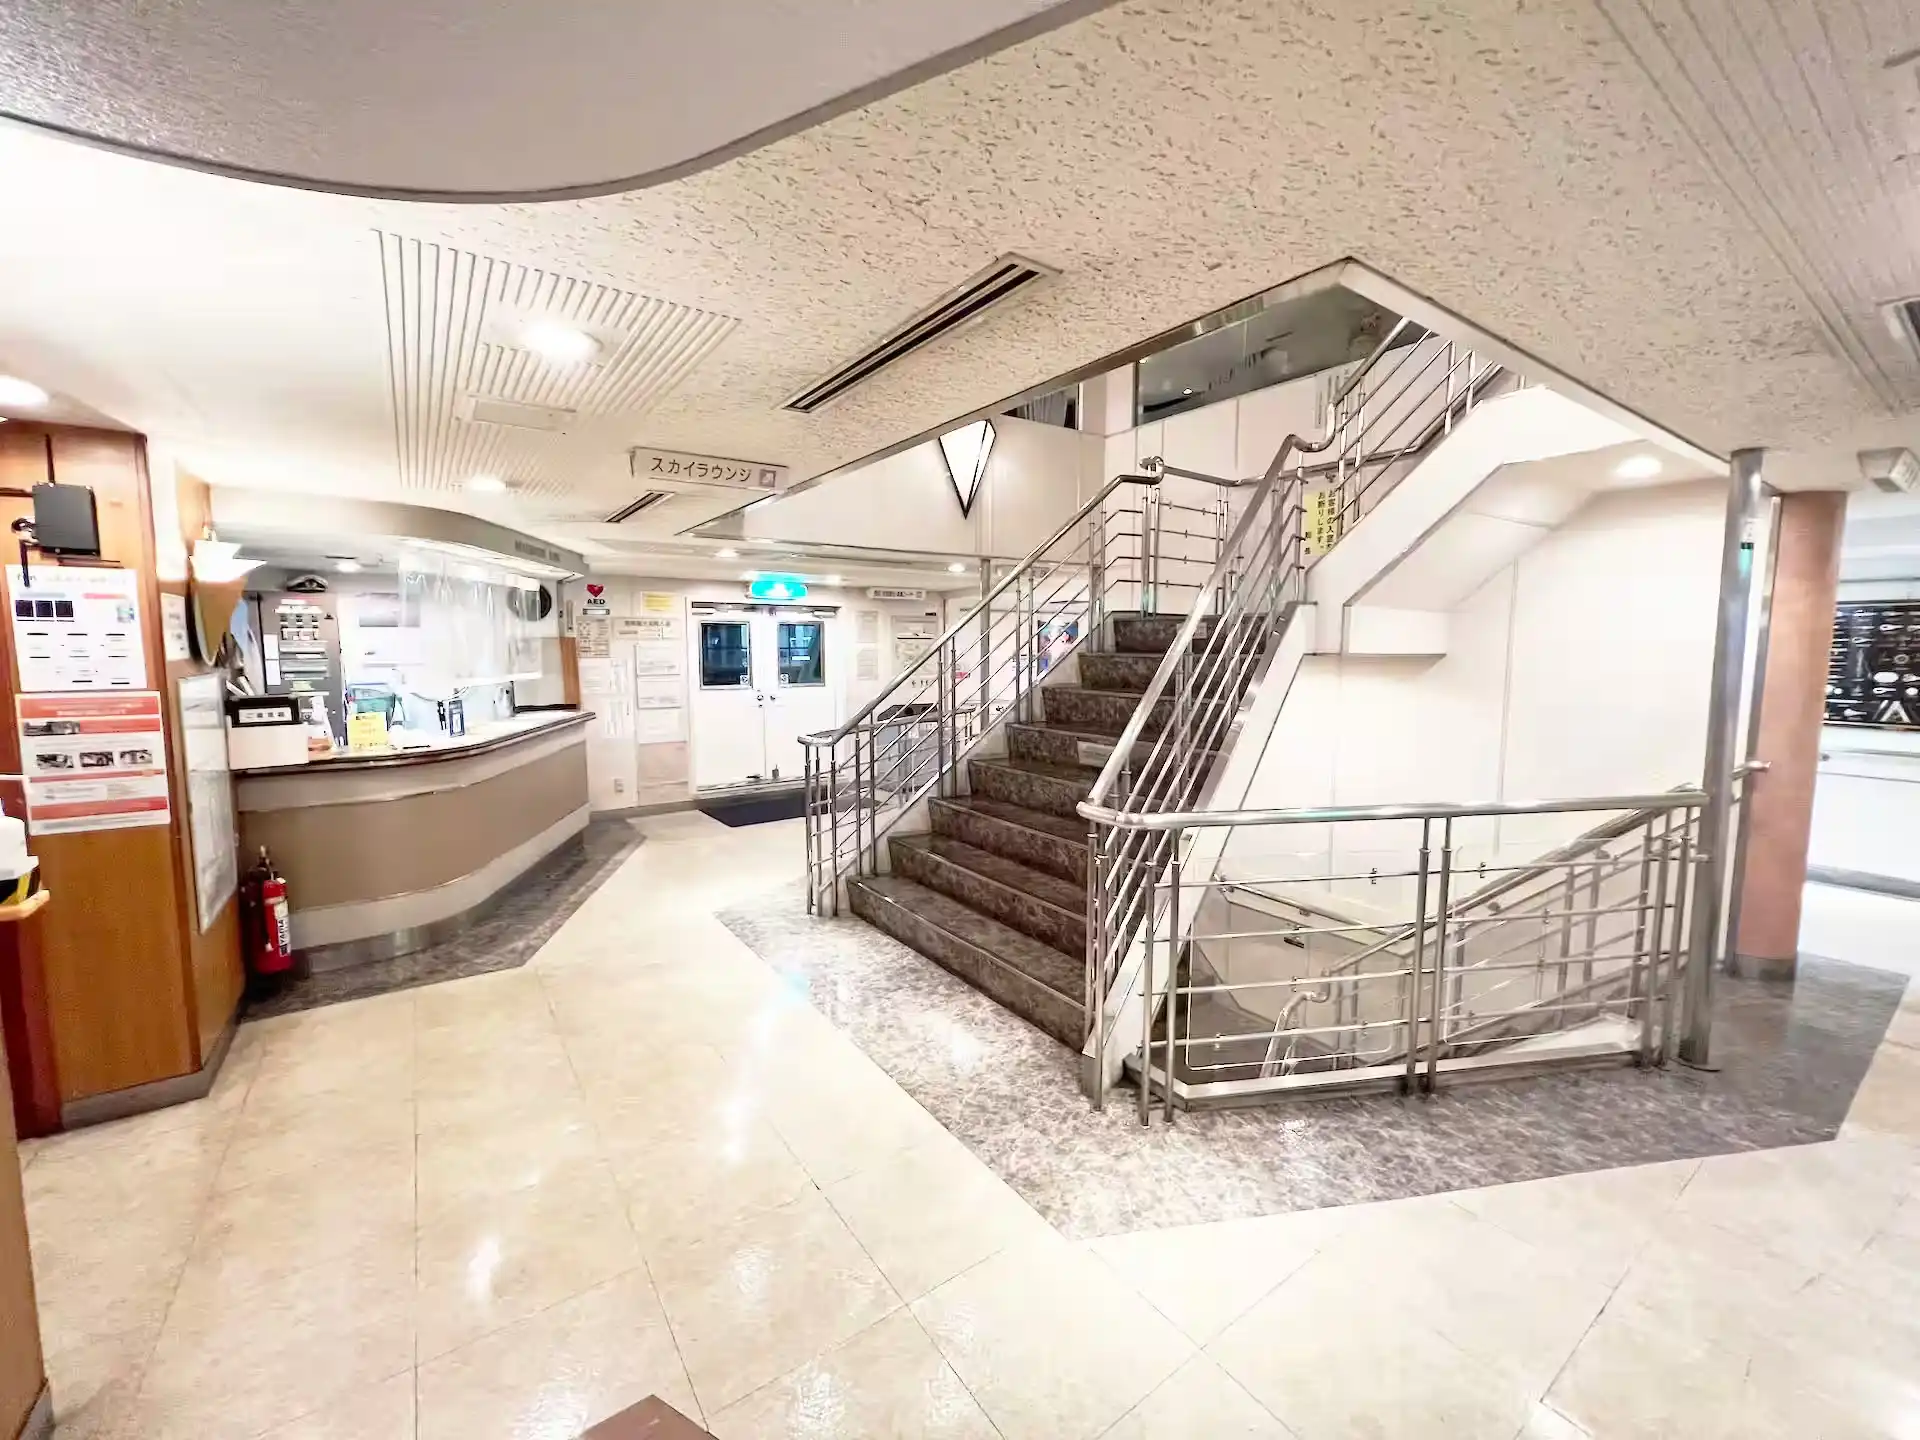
93	762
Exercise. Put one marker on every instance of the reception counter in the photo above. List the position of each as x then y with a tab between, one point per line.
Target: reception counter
389	851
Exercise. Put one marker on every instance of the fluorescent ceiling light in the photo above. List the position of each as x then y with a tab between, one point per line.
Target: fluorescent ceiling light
15	391
1639	467
486	484
956	568
965	452
348	567
560	344
726	552
835	580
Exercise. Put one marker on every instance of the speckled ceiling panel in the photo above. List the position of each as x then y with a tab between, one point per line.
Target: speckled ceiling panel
513	97
1511	159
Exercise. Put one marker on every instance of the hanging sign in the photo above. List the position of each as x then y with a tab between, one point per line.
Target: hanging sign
1320	529
93	762
675	470
77	627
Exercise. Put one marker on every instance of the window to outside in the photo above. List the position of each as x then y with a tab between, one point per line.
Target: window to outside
803	658
725	662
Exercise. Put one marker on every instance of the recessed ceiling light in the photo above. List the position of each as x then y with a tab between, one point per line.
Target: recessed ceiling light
956	568
559	344
836	580
486	484
1187	391
15	391
1639	467
348	567
726	553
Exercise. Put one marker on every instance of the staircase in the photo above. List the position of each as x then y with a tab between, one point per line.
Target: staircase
997	891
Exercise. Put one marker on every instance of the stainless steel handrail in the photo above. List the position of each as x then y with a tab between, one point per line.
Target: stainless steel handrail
954	631
1201	819
1183	643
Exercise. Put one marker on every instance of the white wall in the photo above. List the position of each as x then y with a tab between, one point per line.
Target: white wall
623	773
1581	669
1866	801
1037	476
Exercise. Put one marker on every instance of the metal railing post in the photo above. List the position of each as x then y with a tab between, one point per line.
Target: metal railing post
1173	975
1146	1018
1723	720
1096	965
1437	1018
810	774
1410	1081
1650	937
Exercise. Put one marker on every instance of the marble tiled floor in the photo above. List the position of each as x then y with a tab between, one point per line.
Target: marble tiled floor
509	1205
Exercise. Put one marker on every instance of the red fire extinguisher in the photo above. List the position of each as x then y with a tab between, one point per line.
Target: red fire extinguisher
269	930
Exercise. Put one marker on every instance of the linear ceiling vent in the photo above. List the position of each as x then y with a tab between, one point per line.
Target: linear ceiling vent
1004	278
481	410
645	502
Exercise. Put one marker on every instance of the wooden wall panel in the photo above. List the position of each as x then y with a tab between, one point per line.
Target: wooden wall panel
214	969
112	944
21	1366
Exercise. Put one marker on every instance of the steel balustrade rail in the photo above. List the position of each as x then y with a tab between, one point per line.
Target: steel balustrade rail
1233	631
909	740
1463	989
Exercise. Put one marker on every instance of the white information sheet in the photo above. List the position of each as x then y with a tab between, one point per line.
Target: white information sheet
210	818
77	628
596	636
173	627
596	676
93	762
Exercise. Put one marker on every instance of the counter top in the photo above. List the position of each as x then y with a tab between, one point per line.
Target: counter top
496	735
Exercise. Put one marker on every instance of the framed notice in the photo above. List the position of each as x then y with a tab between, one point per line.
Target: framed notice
1873	666
77	627
93	762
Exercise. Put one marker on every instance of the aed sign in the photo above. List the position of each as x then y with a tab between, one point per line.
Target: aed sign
777	587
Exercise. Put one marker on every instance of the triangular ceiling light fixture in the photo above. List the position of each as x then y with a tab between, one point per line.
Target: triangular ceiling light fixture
965	451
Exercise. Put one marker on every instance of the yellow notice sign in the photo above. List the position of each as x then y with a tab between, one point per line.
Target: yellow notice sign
367	730
1321	523
658	604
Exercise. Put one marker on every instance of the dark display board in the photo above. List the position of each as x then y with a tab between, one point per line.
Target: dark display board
1873	669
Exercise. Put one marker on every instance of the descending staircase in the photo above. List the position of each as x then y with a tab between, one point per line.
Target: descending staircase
997	892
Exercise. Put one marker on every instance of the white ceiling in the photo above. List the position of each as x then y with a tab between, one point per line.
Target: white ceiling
1567	173
513	99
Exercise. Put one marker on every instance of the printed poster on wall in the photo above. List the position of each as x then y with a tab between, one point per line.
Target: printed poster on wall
174	641
93	762
596	637
77	627
210	818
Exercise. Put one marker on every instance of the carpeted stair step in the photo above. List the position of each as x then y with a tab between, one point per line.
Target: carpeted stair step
1052	843
1033	784
1051	910
1041	985
1150	634
1074	707
1063	745
1118	672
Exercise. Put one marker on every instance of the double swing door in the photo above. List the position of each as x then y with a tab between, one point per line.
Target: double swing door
762	684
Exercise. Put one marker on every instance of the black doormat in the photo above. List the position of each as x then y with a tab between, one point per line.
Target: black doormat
758	810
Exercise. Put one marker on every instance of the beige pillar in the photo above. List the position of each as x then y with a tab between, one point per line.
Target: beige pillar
1799	635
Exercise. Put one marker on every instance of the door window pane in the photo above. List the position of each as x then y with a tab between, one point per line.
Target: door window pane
803	658
724	659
